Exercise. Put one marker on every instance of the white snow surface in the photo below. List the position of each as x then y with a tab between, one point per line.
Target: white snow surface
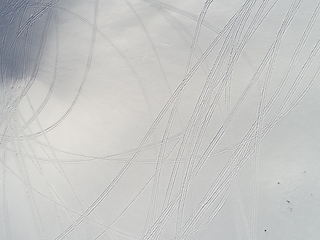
163	120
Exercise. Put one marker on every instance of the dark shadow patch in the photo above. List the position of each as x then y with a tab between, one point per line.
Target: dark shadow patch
24	28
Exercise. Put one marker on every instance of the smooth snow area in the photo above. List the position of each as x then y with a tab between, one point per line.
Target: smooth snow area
161	120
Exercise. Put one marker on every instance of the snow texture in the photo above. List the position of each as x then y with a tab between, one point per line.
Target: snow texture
162	120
